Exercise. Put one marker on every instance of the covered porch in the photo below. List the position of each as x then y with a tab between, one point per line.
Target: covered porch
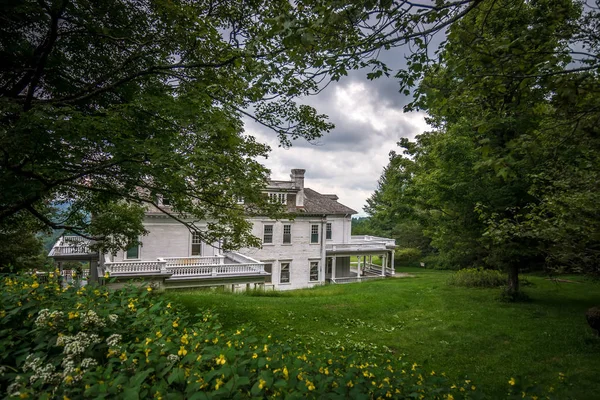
354	261
232	270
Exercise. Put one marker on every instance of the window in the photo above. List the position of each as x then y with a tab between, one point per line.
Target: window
314	233
133	252
328	231
287	234
314	271
269	269
278	198
328	266
284	274
268	234
196	244
166	201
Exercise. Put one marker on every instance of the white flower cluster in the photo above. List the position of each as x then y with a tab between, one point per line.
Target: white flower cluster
45	317
173	358
13	388
113	340
77	344
92	319
113	318
44	373
88	363
68	366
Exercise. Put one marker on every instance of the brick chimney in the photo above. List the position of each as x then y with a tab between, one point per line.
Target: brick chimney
297	176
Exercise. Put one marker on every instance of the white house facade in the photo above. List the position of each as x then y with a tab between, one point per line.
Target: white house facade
312	247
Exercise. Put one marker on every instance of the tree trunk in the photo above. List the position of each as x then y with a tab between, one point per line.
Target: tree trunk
513	279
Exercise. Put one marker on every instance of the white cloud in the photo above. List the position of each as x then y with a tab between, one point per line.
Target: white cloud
349	160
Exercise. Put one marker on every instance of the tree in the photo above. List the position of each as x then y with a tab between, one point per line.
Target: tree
498	175
109	106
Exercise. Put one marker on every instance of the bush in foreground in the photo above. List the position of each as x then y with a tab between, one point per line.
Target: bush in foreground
90	342
477	277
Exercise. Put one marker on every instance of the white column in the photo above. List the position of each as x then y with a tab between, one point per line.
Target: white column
333	268
383	262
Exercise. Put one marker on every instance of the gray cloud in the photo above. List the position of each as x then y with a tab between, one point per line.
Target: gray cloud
349	160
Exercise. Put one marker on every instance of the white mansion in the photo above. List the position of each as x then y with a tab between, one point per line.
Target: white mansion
314	246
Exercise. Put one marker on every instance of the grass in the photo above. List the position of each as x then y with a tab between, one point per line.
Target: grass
464	332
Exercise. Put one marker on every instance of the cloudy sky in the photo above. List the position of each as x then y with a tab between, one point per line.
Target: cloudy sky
349	160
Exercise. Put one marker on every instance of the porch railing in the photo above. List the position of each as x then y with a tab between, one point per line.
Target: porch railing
179	267
68	245
194	261
136	267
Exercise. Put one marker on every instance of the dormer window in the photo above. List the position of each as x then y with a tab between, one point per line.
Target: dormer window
278	198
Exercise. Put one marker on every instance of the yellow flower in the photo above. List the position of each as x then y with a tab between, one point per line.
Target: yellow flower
169	305
265	349
123	356
148	341
254	355
450	397
309	385
175	324
106	275
184	339
215	340
219	383
220	360
68	379
512	382
35	285
473	387
158	334
350	384
66	398
149	289
261	383
199	358
285	373
182	351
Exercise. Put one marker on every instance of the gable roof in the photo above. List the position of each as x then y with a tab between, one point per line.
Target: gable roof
317	203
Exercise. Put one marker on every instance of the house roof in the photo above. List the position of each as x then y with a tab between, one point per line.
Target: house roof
317	203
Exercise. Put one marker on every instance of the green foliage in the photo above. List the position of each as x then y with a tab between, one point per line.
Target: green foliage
88	342
477	277
504	178
408	255
20	245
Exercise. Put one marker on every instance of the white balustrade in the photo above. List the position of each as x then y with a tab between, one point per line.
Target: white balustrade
133	267
217	270
193	261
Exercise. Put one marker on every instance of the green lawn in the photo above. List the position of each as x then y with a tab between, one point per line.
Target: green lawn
464	332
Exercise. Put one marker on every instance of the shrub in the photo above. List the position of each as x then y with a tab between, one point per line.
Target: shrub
593	318
477	277
408	255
